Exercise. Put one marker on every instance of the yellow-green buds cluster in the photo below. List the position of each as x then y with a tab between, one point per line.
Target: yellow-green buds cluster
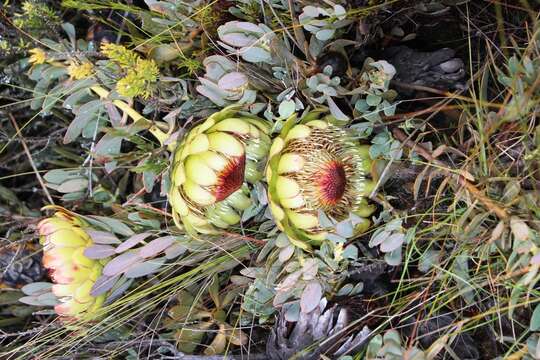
213	167
80	71
64	240
141	75
315	166
38	56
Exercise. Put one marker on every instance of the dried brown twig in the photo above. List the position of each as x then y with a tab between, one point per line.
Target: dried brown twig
461	180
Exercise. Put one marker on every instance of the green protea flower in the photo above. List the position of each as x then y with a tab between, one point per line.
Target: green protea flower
64	240
316	166
212	168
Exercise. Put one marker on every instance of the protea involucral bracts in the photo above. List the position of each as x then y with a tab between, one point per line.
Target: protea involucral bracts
64	240
316	166
213	167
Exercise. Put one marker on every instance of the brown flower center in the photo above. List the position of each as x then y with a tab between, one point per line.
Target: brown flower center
331	178
332	182
230	178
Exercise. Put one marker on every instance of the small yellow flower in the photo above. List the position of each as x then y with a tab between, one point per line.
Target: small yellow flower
124	57
131	85
140	80
80	71
28	7
147	69
38	56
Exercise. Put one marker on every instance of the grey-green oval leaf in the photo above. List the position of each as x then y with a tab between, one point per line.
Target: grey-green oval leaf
535	319
145	268
86	113
311	296
73	185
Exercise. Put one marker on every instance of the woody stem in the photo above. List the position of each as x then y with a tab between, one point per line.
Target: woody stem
160	135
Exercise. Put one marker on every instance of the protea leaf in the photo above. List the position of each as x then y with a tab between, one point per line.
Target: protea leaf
64	241
316	166
213	169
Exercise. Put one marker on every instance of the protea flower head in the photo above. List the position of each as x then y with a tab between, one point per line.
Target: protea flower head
64	240
213	167
316	166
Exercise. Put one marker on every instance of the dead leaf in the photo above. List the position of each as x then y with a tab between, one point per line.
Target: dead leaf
519	229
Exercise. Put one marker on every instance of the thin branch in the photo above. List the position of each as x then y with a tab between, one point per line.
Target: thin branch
473	190
24	333
245	237
29	155
299	33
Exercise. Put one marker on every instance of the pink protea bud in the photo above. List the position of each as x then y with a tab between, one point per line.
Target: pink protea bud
64	240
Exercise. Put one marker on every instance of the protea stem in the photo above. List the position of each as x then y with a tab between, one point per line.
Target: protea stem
160	135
